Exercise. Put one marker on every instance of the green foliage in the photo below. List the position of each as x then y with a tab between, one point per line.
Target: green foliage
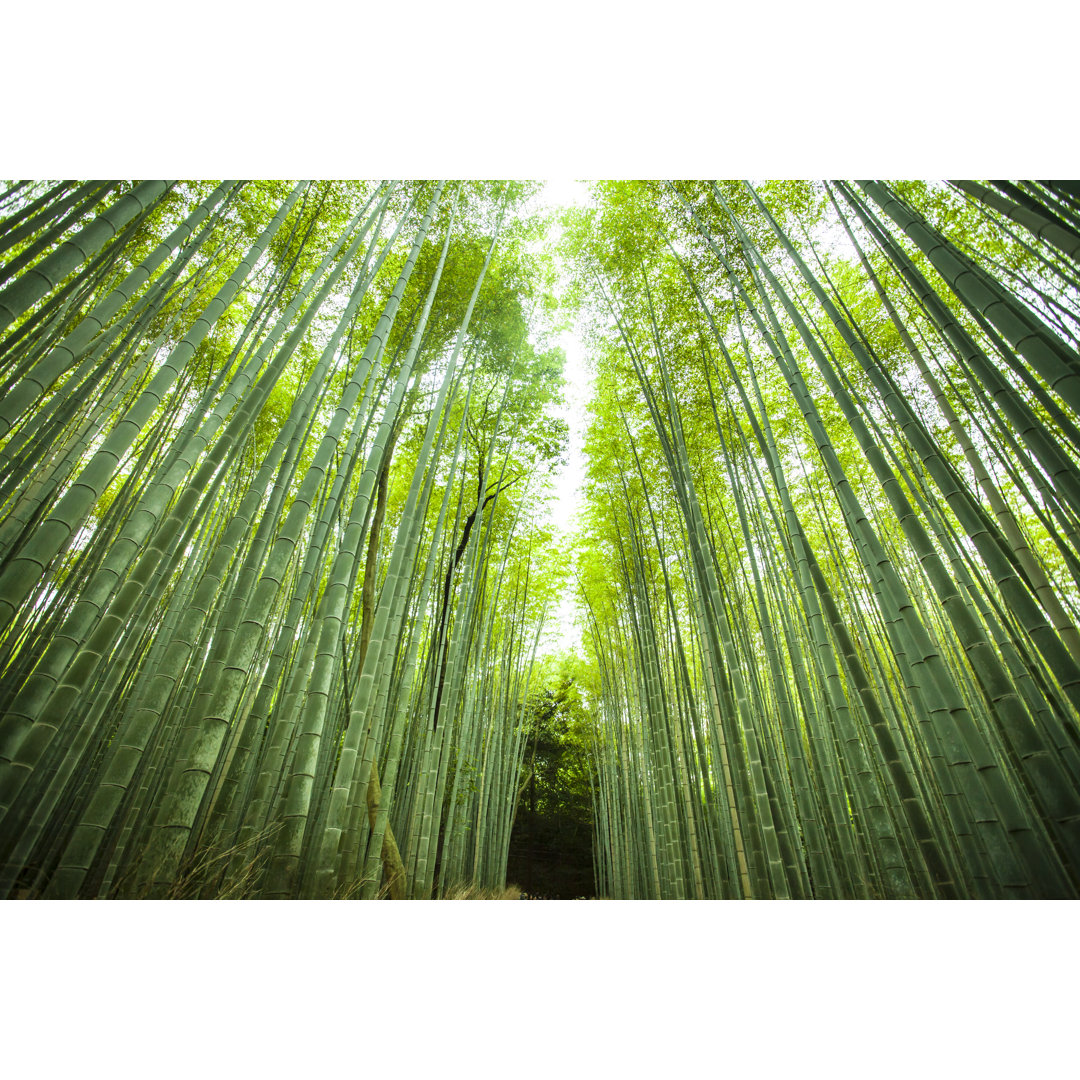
551	847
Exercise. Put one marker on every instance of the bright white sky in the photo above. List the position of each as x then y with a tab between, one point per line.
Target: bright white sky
562	633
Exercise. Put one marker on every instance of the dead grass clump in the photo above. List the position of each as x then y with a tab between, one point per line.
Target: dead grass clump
474	892
216	872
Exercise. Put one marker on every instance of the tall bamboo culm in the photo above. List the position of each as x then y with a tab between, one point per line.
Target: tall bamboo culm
215	398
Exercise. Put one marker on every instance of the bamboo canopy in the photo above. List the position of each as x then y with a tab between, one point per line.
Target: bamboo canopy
277	575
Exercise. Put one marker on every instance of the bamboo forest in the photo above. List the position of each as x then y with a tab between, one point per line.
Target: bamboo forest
287	611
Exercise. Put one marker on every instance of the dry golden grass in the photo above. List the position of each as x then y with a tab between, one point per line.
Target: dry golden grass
216	873
471	892
208	875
